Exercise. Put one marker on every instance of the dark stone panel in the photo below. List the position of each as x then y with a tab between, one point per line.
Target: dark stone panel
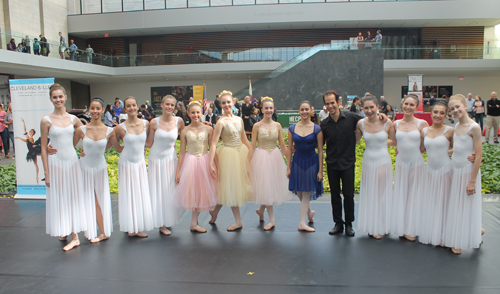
348	72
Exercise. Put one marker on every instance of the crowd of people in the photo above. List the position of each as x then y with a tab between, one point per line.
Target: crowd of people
440	203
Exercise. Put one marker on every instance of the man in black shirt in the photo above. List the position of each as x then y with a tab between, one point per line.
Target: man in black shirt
493	118
217	104
340	138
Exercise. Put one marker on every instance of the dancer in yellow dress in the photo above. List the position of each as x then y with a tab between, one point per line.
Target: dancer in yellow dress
234	187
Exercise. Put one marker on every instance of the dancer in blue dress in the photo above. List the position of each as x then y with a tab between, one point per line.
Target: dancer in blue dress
305	170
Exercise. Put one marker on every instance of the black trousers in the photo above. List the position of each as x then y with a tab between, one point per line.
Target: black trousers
347	177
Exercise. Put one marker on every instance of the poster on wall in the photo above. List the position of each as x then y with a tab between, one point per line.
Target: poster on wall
430	91
181	93
415	83
30	103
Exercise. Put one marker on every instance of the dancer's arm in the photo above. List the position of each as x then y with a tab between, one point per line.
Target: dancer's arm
289	157
182	153
113	141
359	131
44	129
255	134
475	133
393	142
77	136
281	141
319	138
213	145
153	126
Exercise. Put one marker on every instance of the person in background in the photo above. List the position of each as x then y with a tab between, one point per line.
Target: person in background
236	107
356	106
9	123
255	117
90	53
479	106
360	39
4	132
493	118
144	113
72	49
150	109
368	40
275	114
378	39
432	100
19	48
44	46
121	103
323	114
12	45
470	105
182	113
214	109
211	117
108	117
62	45
23	42
390	113
383	103
27	49
246	111
217	105
36	47
117	107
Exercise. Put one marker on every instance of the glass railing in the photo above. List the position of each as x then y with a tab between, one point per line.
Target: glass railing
76	7
280	54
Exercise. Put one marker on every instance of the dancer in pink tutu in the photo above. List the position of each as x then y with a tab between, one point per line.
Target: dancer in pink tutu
269	176
195	186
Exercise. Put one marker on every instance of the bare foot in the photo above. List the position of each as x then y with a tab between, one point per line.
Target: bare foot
483	231
442	245
197	229
261	216
138	234
165	231
306	229
100	238
214	217
269	226
71	245
411	239
235	227
456	251
377	237
311	217
63	238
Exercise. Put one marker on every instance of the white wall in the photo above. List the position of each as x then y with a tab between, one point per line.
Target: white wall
142	91
477	85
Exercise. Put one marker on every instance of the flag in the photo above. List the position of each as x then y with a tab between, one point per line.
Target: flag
250	89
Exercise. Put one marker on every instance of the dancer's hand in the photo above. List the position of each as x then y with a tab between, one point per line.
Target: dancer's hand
288	173
82	153
177	178
50	150
320	176
472	158
471	188
213	172
47	180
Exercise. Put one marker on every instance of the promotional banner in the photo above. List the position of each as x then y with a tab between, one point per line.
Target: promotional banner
181	93
415	82
30	103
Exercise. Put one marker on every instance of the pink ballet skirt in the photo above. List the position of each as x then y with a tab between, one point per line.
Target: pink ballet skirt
196	188
269	177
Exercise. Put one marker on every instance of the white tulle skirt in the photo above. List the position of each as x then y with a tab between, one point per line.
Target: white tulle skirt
463	219
269	177
409	180
375	196
65	207
161	188
434	205
197	188
134	202
96	185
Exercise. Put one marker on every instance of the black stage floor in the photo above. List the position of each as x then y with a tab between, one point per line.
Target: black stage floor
282	261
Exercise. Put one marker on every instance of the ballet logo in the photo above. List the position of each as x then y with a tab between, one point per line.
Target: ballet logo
294	119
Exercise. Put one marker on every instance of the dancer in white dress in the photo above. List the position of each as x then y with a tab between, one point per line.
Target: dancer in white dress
269	176
463	219
409	172
162	165
134	202
375	197
436	140
65	209
195	189
96	137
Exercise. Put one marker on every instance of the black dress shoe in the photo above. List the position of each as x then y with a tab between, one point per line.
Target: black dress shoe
337	229
349	231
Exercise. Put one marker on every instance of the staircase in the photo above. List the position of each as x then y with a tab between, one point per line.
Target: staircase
283	68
